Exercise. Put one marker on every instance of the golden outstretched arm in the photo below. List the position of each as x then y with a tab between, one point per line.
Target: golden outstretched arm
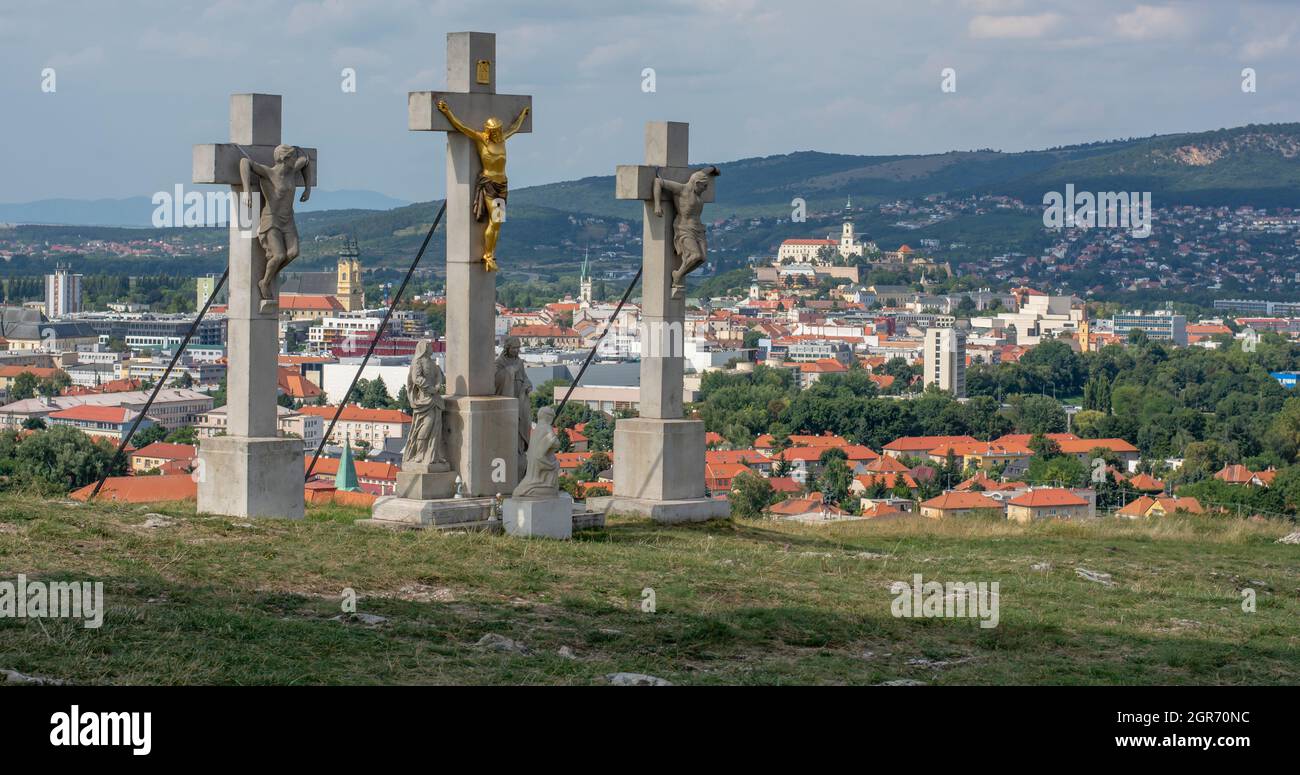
455	122
519	122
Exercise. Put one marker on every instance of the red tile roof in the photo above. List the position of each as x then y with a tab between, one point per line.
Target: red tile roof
143	489
1047	496
163	450
358	414
87	413
962	500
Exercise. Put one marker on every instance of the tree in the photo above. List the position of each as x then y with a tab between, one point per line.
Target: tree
62	459
592	468
148	436
835	480
186	434
599	432
23	386
34	424
373	394
750	495
1040	414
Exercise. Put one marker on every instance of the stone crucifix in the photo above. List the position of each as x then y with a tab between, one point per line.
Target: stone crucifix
663	300
659	456
482	426
252	471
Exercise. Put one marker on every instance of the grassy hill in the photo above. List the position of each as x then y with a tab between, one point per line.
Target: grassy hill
213	600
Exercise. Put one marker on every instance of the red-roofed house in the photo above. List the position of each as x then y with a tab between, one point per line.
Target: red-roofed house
718	477
159	454
369	425
1146	506
539	336
920	446
958	504
1048	503
100	422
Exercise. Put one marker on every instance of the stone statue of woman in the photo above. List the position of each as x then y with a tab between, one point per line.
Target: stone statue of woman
542	479
424	385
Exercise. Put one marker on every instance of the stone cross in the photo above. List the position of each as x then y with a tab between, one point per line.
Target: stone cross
482	427
659	456
251	471
663	316
471	291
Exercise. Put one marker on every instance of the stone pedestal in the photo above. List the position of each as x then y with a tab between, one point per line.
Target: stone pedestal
451	514
539	517
251	477
483	443
659	472
426	482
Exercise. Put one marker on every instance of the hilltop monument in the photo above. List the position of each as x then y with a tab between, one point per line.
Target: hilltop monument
481	427
252	471
659	456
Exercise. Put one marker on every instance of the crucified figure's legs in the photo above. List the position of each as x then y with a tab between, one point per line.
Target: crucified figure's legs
496	214
276	258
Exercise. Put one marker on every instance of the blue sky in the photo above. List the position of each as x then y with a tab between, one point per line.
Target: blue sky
139	82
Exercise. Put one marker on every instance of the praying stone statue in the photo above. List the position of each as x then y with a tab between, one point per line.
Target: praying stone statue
424	385
276	230
512	380
491	189
542	479
688	230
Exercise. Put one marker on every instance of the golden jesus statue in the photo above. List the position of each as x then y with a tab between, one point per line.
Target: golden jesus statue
490	192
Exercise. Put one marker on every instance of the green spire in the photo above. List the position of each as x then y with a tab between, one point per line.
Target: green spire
345	479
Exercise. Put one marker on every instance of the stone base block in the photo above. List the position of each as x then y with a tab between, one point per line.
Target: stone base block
659	460
483	443
245	477
451	514
665	511
426	485
539	517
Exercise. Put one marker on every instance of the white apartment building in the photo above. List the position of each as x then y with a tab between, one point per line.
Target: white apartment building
945	360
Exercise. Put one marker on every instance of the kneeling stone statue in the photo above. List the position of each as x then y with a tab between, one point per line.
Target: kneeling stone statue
537	507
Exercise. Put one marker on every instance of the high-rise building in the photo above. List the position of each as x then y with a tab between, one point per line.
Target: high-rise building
203	288
62	293
945	360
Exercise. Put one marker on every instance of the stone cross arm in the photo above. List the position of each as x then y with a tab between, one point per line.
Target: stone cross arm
472	108
636	181
219	162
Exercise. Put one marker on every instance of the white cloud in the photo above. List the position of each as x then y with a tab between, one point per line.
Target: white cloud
1147	22
1024	27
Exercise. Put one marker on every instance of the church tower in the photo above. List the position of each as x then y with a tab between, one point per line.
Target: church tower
584	285
349	290
848	241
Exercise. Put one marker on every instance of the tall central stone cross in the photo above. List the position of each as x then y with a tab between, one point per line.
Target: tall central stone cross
482	428
659	456
251	471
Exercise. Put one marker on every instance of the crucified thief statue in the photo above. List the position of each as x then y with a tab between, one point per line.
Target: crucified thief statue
276	230
490	192
688	230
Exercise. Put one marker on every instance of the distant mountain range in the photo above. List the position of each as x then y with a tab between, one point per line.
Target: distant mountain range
1255	165
138	210
1252	165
